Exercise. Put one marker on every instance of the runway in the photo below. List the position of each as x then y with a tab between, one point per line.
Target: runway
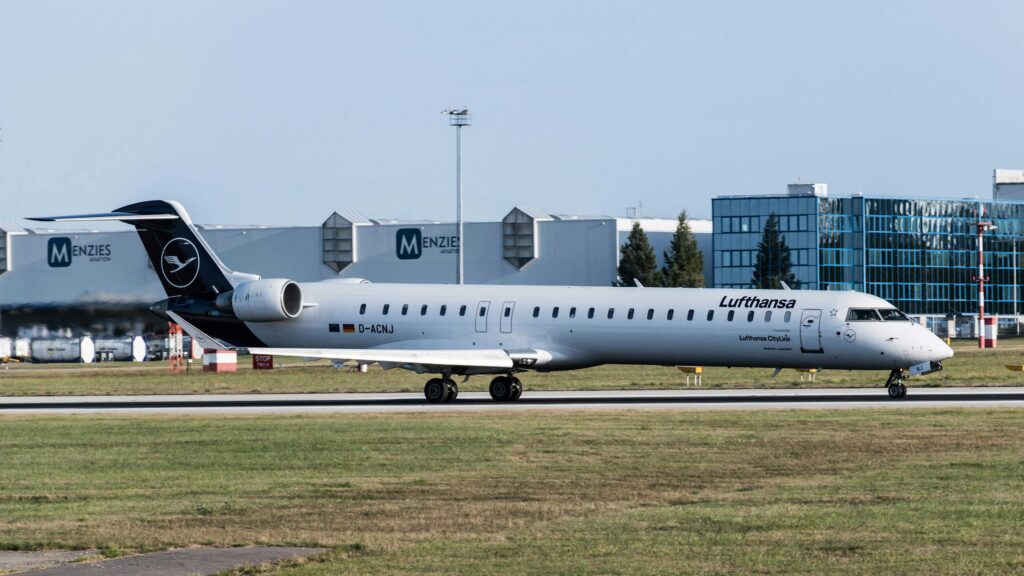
748	399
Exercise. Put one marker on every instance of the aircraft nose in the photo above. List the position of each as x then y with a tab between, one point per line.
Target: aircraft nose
940	350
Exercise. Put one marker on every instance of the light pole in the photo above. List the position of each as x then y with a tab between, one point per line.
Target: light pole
981	279
458	118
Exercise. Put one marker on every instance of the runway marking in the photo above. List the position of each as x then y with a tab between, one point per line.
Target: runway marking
842	398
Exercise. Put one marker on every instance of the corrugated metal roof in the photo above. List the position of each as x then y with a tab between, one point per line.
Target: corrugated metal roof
535	213
354	217
11	227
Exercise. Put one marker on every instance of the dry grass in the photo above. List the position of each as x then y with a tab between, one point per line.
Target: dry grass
618	493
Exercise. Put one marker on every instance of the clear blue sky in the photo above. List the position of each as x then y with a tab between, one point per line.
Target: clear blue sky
281	112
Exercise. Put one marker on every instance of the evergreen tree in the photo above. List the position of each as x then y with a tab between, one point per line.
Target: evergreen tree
684	262
774	264
638	260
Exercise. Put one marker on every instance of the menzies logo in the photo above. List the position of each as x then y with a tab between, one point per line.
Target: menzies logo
409	243
60	252
179	263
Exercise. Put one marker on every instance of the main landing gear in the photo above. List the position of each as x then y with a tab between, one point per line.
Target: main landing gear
441	389
896	387
506	388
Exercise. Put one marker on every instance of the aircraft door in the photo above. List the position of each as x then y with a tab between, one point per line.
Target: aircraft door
482	310
506	316
810	331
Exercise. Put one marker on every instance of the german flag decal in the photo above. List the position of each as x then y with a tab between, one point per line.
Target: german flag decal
348	328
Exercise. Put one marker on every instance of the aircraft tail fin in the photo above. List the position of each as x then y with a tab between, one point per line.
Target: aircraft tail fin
184	262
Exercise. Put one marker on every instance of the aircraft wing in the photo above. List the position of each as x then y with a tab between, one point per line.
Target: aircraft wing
472	358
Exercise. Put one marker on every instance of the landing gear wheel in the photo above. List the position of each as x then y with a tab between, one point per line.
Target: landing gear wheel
501	389
896	390
453	391
903	390
517	389
436	390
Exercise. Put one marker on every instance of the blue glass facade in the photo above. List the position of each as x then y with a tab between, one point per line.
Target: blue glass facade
919	254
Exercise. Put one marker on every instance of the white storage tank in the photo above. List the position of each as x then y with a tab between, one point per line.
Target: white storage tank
22	348
6	349
125	349
63	350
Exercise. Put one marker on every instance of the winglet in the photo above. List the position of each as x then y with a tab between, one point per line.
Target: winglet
198	335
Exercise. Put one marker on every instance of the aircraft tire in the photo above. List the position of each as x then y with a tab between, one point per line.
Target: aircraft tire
903	390
453	391
517	389
435	391
500	389
897	390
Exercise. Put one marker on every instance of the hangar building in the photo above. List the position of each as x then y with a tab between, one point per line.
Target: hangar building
101	282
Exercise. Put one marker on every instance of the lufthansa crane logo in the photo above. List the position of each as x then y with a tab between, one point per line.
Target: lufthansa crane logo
179	263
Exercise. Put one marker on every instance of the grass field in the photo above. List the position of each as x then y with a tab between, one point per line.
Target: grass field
846	492
970	367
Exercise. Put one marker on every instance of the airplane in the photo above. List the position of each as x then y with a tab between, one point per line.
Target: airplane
463	330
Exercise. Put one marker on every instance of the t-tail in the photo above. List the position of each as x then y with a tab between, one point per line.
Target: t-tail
198	285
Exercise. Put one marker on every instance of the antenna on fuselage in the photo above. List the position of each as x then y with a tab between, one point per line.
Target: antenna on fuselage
784	285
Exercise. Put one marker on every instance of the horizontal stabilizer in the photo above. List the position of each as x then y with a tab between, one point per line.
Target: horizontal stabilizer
114	216
468	358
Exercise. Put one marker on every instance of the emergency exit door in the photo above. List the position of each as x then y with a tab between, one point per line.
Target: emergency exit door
481	315
810	331
506	316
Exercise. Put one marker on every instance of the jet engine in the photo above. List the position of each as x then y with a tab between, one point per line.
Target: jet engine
263	300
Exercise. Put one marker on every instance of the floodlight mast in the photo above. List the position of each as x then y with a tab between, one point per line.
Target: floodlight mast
458	119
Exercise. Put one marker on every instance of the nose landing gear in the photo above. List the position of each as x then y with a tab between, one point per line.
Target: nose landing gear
895	384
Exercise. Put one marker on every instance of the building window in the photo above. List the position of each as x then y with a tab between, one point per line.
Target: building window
670	314
629	314
462	310
405	309
590	313
385	309
536	311
611	313
444	309
423	310
554	312
362	309
650	313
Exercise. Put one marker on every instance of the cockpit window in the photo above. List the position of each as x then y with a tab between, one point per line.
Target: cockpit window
863	315
893	315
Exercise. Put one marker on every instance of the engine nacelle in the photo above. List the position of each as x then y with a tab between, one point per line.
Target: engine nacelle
263	300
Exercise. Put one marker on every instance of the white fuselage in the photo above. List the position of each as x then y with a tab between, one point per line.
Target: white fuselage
708	327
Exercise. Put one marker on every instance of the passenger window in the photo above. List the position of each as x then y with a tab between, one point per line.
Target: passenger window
508	311
611	313
572	312
750	316
732	314
362	308
787	317
554	312
650	313
536	311
405	309
590	313
862	315
768	316
630	314
483	311
711	315
462	310
670	314
423	310
444	309
386	308
689	315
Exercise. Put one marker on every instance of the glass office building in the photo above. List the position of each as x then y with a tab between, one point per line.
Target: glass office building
919	254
